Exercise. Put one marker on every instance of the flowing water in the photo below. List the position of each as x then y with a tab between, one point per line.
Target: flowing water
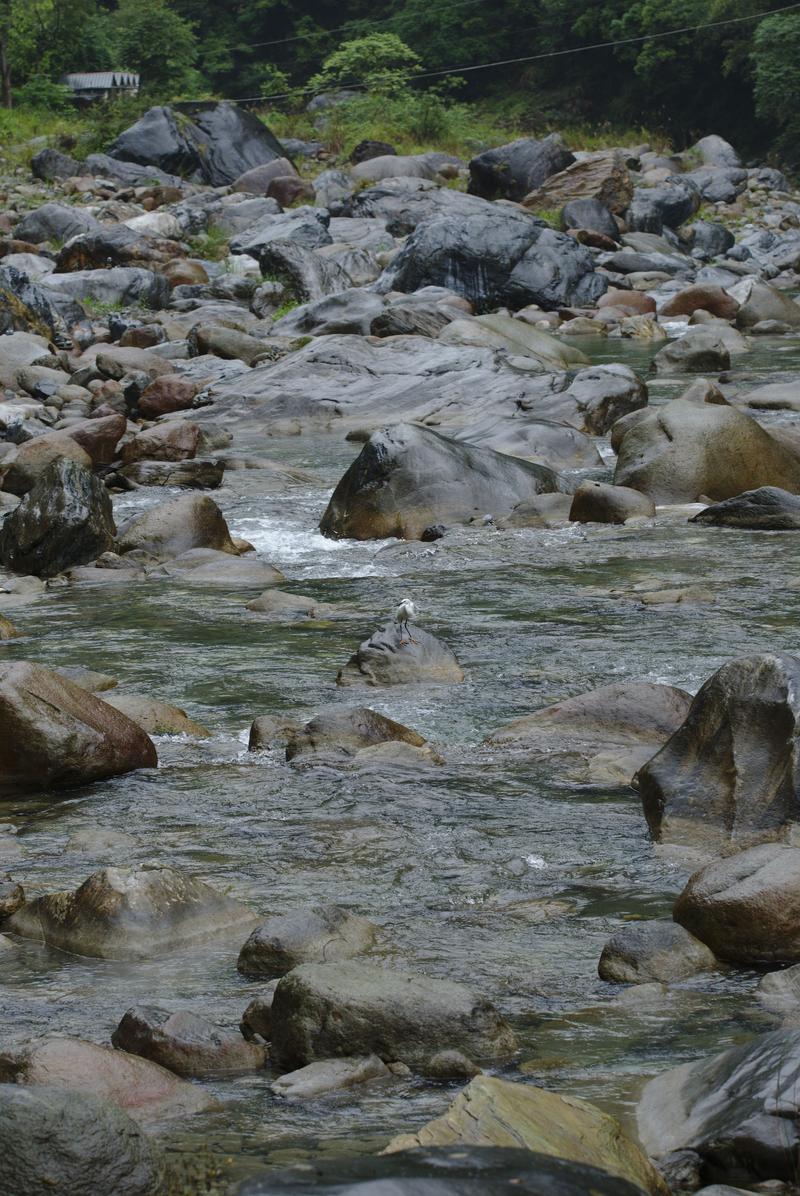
507	874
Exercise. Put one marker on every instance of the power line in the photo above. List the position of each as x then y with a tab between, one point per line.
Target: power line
484	66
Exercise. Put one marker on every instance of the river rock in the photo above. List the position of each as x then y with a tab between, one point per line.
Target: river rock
701	297
601	177
780	991
173	440
494	1112
33	458
591	214
27	307
745	907
99	437
341	732
330	1010
57	1141
512	171
167	394
330	1075
12	896
197	474
670	204
497	257
154	717
684	450
738	1111
700	351
759	301
389	657
409	478
54	222
125	285
54	734
443	1171
176	526
597	502
145	1091
318	934
185	1043
730	773
766	509
130	913
306	276
66	519
641	952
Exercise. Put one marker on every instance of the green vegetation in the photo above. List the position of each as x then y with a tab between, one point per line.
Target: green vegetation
212	245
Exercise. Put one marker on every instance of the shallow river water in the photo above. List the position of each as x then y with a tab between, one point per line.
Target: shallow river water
489	869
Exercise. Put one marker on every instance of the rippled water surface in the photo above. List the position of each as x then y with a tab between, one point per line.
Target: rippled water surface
490	869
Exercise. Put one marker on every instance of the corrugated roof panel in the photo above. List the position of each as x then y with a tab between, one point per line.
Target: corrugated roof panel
101	80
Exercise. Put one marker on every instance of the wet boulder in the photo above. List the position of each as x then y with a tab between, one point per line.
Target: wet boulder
155	717
731	771
597	502
22	469
700	351
130	913
305	227
745	907
330	1010
146	1092
512	171
390	657
341	733
701	297
670	204
185	1043
317	934
408	478
767	509
306	275
176	526
219	142
496	257
641	952
56	1140
494	1112
758	301
66	519
591	214
330	1075
685	449
53	734
12	896
737	1111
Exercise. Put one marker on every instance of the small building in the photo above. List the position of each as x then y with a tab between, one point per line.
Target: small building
102	85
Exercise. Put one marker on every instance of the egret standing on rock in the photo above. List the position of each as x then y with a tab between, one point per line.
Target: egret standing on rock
405	612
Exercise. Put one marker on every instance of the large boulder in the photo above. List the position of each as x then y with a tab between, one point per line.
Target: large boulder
54	734
758	301
305	275
683	450
497	257
54	222
130	913
408	478
66	519
601	177
390	657
53	1140
185	1043
767	509
662	951
737	1112
494	1112
176	526
329	1010
512	171
700	351
597	502
731	771
23	468
342	732
442	1171
746	907
145	1091
670	204
218	142
318	934
304	227
700	296
27	307
128	286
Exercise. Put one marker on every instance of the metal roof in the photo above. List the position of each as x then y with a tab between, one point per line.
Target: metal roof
101	80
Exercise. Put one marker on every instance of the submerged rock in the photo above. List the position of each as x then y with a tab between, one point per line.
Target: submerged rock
185	1043
329	1010
388	657
318	934
330	1075
130	913
341	732
658	950
154	717
493	1112
766	509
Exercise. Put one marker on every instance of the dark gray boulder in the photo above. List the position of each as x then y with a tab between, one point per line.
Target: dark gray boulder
700	351
219	142
404	203
408	478
767	509
66	519
185	1043
710	238
342	732
130	174
306	275
317	934
731	772
126	286
511	171
641	952
496	257
670	204
718	184
54	222
108	246
50	164
392	657
592	214
27	307
330	1010
443	1171
305	227
738	1111
71	1143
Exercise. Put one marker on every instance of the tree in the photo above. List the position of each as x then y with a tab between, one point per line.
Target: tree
379	62
776	58
157	42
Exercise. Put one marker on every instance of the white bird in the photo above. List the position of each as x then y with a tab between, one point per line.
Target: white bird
405	612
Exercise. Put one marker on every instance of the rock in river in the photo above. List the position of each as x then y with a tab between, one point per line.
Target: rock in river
731	771
176	526
767	509
390	658
130	913
53	1140
185	1043
342	732
319	934
54	734
330	1075
329	1010
641	952
66	519
746	908
493	1112
407	479
738	1111
597	502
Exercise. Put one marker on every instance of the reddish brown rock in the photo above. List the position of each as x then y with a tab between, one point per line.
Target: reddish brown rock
176	440
170	392
700	297
257	180
637	301
99	437
182	272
